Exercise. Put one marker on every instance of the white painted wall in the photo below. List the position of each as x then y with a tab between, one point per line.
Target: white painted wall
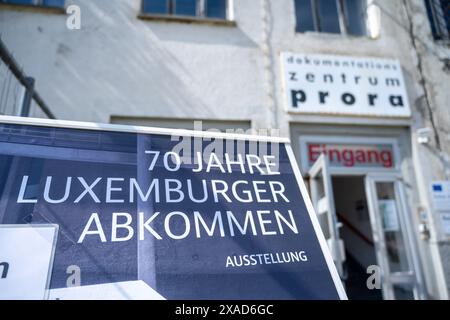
118	64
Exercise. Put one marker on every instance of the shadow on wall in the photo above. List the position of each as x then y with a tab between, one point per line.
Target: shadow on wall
119	62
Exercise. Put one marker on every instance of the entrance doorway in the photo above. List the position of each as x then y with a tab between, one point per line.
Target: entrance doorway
357	235
366	222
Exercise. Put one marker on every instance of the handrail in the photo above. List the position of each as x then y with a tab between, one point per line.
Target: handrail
355	230
13	66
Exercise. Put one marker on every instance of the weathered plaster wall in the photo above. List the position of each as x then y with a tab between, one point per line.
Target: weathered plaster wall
118	64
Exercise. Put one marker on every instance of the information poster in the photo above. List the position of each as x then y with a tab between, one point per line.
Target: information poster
177	217
440	196
388	211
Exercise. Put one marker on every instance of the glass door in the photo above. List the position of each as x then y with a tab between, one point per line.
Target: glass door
323	202
401	277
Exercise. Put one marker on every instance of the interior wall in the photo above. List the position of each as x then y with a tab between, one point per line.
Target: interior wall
351	204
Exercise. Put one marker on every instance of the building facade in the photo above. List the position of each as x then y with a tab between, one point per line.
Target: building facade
232	65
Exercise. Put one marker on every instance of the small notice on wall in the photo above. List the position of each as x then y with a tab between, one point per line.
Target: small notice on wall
388	211
440	195
445	222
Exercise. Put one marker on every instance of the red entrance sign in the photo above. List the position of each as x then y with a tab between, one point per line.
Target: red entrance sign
353	155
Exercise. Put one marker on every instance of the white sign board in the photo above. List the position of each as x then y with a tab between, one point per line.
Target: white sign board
26	256
329	84
440	195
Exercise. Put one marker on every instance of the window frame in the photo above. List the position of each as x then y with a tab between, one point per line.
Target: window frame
342	18
34	4
201	6
439	29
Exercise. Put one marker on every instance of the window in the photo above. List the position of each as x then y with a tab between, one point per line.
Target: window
44	3
213	9
331	16
439	15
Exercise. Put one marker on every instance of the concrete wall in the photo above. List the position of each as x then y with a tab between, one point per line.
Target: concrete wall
119	66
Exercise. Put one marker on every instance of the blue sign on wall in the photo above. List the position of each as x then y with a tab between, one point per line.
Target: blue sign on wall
187	217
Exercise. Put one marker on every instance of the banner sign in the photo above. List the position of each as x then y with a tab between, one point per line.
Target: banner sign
329	84
349	152
146	215
353	155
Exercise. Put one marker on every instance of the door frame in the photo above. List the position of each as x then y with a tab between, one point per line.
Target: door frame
405	221
336	243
